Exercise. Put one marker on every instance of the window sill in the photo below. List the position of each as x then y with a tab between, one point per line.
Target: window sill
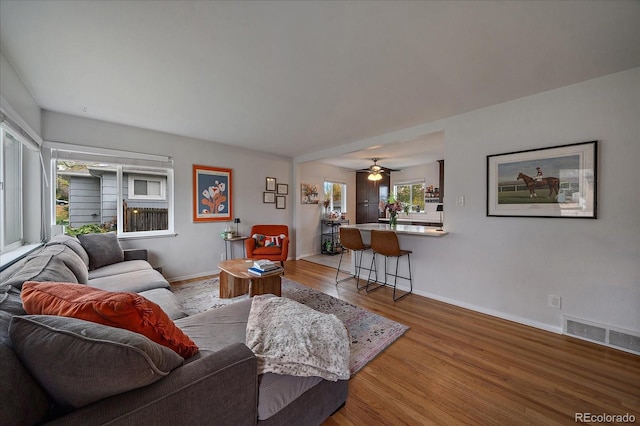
13	256
141	236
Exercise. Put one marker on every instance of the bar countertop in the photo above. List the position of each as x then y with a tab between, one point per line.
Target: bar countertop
424	231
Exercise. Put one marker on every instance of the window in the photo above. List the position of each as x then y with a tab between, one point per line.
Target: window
336	194
411	194
126	192
146	187
11	186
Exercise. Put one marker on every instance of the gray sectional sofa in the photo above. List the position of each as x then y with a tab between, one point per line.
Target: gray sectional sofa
122	377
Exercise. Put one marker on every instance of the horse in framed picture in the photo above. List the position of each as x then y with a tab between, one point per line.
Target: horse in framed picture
553	183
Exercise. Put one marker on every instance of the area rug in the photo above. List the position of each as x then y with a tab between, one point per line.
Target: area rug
370	333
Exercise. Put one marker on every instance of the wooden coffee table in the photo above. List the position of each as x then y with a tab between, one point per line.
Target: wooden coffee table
235	280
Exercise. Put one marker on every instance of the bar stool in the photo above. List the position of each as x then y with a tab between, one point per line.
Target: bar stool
385	243
350	238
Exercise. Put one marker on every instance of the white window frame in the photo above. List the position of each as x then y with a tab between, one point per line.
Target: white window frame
343	201
122	160
410	183
131	186
11	121
4	248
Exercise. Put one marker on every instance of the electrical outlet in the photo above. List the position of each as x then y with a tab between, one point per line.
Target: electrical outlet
460	201
555	301
221	256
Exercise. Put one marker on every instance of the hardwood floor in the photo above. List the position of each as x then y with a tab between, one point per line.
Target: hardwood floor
456	366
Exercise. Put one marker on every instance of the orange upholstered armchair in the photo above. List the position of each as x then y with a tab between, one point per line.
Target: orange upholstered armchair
268	242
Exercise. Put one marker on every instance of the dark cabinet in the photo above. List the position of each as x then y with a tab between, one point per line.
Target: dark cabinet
441	162
368	195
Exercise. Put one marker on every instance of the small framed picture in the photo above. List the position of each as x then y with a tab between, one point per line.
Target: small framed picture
309	193
269	197
271	184
281	202
283	189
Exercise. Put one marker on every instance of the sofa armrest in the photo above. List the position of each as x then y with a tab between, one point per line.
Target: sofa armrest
219	387
135	254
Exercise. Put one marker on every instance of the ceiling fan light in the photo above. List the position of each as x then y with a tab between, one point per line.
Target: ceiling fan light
374	176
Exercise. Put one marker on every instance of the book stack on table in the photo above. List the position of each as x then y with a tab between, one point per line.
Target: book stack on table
261	267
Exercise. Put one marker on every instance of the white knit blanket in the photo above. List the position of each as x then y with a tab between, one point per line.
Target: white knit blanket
290	338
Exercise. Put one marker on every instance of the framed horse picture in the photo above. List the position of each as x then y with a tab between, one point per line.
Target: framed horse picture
558	182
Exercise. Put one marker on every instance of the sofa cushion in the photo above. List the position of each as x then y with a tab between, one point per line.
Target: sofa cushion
79	362
23	401
217	328
73	243
122	310
267	250
43	267
276	391
135	281
119	268
103	249
167	301
10	302
70	259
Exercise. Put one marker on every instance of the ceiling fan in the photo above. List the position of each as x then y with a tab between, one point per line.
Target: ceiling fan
375	171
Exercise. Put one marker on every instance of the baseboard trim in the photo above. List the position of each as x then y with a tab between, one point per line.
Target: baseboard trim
492	312
302	256
189	277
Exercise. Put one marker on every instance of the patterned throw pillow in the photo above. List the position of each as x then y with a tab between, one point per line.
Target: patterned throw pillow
259	239
269	240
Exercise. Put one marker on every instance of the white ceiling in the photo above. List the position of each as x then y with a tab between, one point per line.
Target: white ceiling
294	78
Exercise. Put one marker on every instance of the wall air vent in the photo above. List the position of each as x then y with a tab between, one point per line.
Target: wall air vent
625	340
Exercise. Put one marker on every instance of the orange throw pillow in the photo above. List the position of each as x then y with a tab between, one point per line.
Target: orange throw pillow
116	309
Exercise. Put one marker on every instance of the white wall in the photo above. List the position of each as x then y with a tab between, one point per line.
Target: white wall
511	265
16	94
308	215
508	266
196	249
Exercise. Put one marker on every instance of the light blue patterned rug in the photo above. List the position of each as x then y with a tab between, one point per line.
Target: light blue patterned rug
370	333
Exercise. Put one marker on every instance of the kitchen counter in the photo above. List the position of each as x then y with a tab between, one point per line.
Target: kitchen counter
410	221
424	231
410	238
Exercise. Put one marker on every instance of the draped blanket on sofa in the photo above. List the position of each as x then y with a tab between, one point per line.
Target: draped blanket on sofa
290	338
